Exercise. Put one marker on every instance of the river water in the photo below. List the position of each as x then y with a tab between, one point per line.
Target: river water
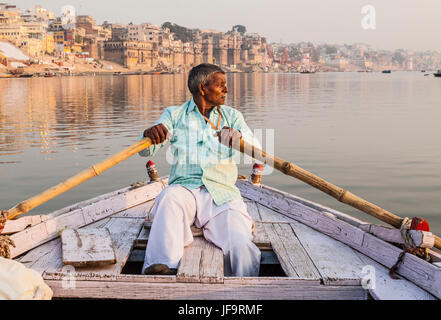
377	135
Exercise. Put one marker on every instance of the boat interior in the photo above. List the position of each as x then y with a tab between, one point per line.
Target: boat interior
308	252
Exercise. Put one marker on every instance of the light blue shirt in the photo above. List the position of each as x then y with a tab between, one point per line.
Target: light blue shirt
196	155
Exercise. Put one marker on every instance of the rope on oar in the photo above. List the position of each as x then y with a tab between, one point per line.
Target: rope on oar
5	241
5	249
404	230
409	245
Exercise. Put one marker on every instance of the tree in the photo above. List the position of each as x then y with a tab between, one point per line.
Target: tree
240	28
182	33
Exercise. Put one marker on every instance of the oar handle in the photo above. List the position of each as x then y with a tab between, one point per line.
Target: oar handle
79	178
338	193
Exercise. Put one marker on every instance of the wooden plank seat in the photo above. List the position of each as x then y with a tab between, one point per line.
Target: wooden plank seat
124	228
202	261
322	252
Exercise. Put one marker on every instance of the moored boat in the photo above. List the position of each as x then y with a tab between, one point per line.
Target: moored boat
386	71
438	73
309	251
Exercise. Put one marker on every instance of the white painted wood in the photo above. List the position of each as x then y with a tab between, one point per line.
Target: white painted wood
253	211
189	266
13	226
82	276
202	262
87	247
324	222
139	211
269	215
43	257
261	239
81	204
212	263
421	239
49	229
420	272
310	204
102	197
47	258
123	233
200	291
336	262
292	256
386	288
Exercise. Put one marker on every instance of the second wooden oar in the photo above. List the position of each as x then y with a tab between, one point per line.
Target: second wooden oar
338	193
79	178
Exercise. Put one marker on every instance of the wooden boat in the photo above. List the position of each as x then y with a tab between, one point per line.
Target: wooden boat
309	251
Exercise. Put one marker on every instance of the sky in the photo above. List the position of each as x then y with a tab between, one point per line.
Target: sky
399	24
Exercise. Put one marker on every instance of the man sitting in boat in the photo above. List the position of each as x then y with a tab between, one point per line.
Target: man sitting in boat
201	188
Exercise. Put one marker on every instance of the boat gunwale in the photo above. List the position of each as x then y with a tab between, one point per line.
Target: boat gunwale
353	222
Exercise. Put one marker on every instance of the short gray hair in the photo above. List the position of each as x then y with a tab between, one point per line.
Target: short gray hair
201	74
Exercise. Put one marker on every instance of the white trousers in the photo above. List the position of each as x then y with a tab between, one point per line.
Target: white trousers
227	226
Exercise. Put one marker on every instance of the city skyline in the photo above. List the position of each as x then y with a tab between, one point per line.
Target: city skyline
399	24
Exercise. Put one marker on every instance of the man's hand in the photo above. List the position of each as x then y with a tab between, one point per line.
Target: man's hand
229	136
157	133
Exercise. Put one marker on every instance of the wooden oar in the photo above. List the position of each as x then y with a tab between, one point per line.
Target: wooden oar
85	175
338	193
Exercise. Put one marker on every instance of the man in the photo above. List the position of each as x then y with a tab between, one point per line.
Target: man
202	180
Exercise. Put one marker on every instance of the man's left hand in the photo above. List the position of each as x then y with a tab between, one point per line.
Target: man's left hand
229	136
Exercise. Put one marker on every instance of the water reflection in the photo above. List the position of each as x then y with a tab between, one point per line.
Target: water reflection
61	112
377	136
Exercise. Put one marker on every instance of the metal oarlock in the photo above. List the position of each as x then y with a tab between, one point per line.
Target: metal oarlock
152	172
256	176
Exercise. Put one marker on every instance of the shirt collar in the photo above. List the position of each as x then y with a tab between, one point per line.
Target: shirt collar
192	106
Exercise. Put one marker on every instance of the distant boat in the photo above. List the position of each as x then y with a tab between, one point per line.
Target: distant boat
438	73
386	71
306	71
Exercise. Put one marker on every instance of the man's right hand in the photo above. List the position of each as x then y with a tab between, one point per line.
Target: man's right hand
157	133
